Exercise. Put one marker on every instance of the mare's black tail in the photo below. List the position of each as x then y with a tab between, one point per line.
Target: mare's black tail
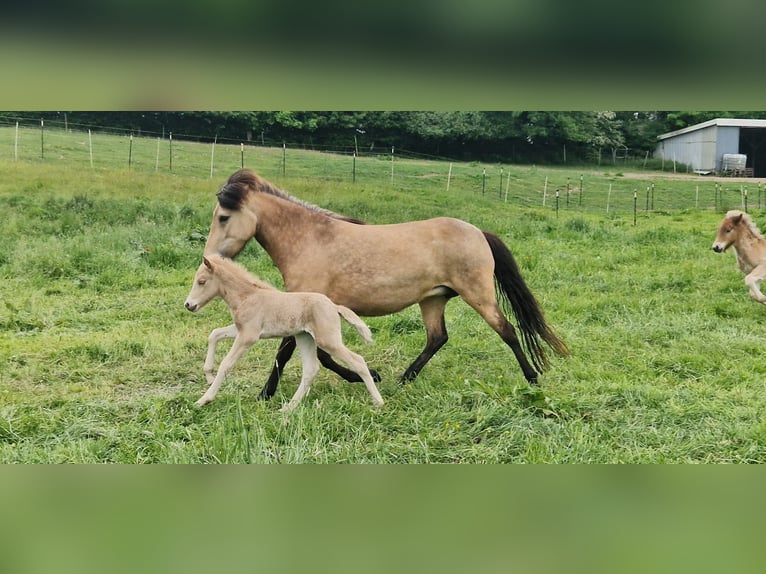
515	294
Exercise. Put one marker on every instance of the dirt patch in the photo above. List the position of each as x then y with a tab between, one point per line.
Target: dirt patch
693	176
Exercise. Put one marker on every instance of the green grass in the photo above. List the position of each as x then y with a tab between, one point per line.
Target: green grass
101	363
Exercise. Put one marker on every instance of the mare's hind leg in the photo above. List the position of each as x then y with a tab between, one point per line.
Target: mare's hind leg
327	362
485	304
753	281
308	350
432	311
286	349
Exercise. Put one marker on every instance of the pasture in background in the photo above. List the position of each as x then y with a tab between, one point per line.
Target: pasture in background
616	188
102	363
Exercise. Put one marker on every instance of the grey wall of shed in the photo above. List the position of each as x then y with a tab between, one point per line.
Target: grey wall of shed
728	142
701	149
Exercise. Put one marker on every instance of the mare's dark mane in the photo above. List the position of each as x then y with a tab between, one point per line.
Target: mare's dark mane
244	181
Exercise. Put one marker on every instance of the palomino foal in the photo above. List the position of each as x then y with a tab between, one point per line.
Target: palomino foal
737	230
261	312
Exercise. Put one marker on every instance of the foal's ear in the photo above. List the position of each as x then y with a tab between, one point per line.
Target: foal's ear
737	218
207	263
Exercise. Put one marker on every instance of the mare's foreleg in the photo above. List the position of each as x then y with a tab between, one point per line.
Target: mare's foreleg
308	350
238	349
216	335
753	280
432	311
286	349
352	377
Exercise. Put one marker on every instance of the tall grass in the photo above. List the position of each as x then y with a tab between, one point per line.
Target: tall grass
101	363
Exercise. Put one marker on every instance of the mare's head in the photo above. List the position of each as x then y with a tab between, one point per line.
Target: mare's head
234	222
206	284
734	226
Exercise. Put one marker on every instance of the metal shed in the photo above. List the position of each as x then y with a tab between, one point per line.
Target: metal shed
702	146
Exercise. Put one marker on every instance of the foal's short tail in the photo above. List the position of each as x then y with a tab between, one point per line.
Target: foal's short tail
525	308
360	326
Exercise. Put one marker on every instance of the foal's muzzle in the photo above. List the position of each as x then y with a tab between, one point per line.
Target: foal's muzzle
718	248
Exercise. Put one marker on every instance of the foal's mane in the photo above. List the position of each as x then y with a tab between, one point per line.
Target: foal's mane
232	268
746	220
245	181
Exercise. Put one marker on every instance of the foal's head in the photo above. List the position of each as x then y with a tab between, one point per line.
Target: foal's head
206	286
734	226
234	224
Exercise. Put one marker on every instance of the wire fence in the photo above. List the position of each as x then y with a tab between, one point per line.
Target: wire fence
529	186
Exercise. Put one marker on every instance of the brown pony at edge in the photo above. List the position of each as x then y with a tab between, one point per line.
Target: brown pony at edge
381	269
738	231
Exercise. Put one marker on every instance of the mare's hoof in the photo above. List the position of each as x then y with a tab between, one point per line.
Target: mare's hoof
407	376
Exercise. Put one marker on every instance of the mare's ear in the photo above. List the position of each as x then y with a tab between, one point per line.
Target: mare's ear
207	263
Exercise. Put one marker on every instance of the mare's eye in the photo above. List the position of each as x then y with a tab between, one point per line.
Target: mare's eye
223	218
201	282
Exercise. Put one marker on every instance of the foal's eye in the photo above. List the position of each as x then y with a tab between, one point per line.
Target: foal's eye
223	218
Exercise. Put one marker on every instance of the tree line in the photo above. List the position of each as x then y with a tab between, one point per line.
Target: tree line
514	136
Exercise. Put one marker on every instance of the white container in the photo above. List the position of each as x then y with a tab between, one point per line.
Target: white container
733	161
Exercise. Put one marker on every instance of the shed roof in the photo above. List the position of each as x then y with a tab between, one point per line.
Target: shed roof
729	122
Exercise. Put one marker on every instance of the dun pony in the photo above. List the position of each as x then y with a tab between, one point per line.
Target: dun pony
381	269
738	231
260	312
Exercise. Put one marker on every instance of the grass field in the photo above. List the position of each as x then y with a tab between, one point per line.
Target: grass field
101	363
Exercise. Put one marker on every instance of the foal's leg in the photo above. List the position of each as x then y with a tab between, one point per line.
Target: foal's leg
332	342
216	335
238	349
753	281
358	365
308	350
432	311
286	349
